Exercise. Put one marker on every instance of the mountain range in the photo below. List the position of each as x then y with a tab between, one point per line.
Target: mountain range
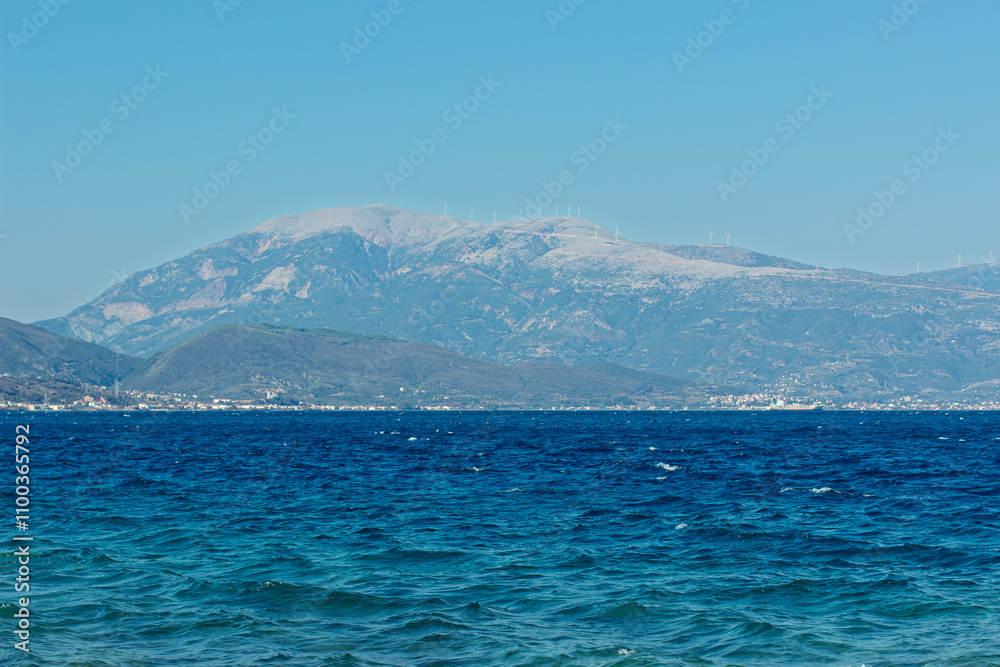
568	291
37	366
260	362
32	352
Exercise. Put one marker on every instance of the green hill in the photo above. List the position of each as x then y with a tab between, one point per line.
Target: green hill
29	352
328	367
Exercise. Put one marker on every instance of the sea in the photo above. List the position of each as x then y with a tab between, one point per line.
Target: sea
685	538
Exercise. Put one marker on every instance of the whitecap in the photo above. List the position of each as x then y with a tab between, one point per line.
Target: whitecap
411	439
475	469
680	526
625	651
667	467
514	490
652	449
787	488
823	489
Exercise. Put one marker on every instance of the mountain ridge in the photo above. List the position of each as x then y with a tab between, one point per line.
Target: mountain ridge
565	290
258	362
31	351
240	361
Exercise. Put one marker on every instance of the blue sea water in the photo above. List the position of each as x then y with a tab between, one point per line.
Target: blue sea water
514	538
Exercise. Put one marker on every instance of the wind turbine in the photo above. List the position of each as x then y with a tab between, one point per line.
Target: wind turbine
710	232
727	238
960	259
578	212
595	230
616	232
446	208
473	215
494	216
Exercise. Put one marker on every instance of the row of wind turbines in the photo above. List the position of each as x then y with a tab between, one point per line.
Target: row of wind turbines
711	235
569	213
541	213
989	261
711	232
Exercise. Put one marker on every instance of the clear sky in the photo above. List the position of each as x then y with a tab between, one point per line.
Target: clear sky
268	89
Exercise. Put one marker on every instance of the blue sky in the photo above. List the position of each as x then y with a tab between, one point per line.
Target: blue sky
873	83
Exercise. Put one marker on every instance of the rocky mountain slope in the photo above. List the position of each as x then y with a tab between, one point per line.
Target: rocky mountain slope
563	289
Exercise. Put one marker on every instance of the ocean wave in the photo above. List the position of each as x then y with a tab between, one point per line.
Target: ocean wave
216	552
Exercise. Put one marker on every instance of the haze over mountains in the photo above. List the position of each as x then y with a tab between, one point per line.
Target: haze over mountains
565	290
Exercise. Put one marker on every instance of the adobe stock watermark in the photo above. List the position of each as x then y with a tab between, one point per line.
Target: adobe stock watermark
454	116
30	25
760	327
248	149
562	13
363	35
913	169
786	126
929	325
223	7
424	315
117	277
22	507
900	15
122	107
714	28
581	158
